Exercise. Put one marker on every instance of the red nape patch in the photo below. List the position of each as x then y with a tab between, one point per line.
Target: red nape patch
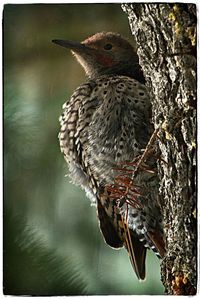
105	60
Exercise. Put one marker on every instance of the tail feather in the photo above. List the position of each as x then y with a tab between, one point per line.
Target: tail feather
137	252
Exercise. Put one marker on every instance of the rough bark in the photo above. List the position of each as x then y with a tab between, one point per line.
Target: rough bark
166	38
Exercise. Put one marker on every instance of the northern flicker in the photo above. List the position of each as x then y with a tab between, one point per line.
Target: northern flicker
106	122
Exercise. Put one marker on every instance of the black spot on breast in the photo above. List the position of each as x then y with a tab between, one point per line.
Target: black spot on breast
143	213
108	118
140	226
134	215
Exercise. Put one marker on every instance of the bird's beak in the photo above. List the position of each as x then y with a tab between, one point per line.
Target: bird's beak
72	45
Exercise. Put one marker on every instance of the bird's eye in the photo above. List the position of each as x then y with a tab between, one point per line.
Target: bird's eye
108	47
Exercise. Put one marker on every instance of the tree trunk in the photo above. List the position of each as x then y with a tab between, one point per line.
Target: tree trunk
166	38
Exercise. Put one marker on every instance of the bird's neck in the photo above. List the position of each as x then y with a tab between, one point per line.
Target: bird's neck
134	72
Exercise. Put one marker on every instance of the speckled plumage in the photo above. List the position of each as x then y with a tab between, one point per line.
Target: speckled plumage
106	122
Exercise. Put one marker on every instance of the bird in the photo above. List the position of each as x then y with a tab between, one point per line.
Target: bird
107	123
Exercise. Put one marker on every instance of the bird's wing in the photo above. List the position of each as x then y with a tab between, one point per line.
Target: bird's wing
108	231
74	122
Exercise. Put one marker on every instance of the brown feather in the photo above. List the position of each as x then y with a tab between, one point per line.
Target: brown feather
109	233
137	252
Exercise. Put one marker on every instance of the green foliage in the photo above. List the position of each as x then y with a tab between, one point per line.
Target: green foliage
29	262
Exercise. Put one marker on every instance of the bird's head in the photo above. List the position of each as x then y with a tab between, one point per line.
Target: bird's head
105	53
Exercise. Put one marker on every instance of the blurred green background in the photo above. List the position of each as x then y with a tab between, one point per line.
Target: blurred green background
52	243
